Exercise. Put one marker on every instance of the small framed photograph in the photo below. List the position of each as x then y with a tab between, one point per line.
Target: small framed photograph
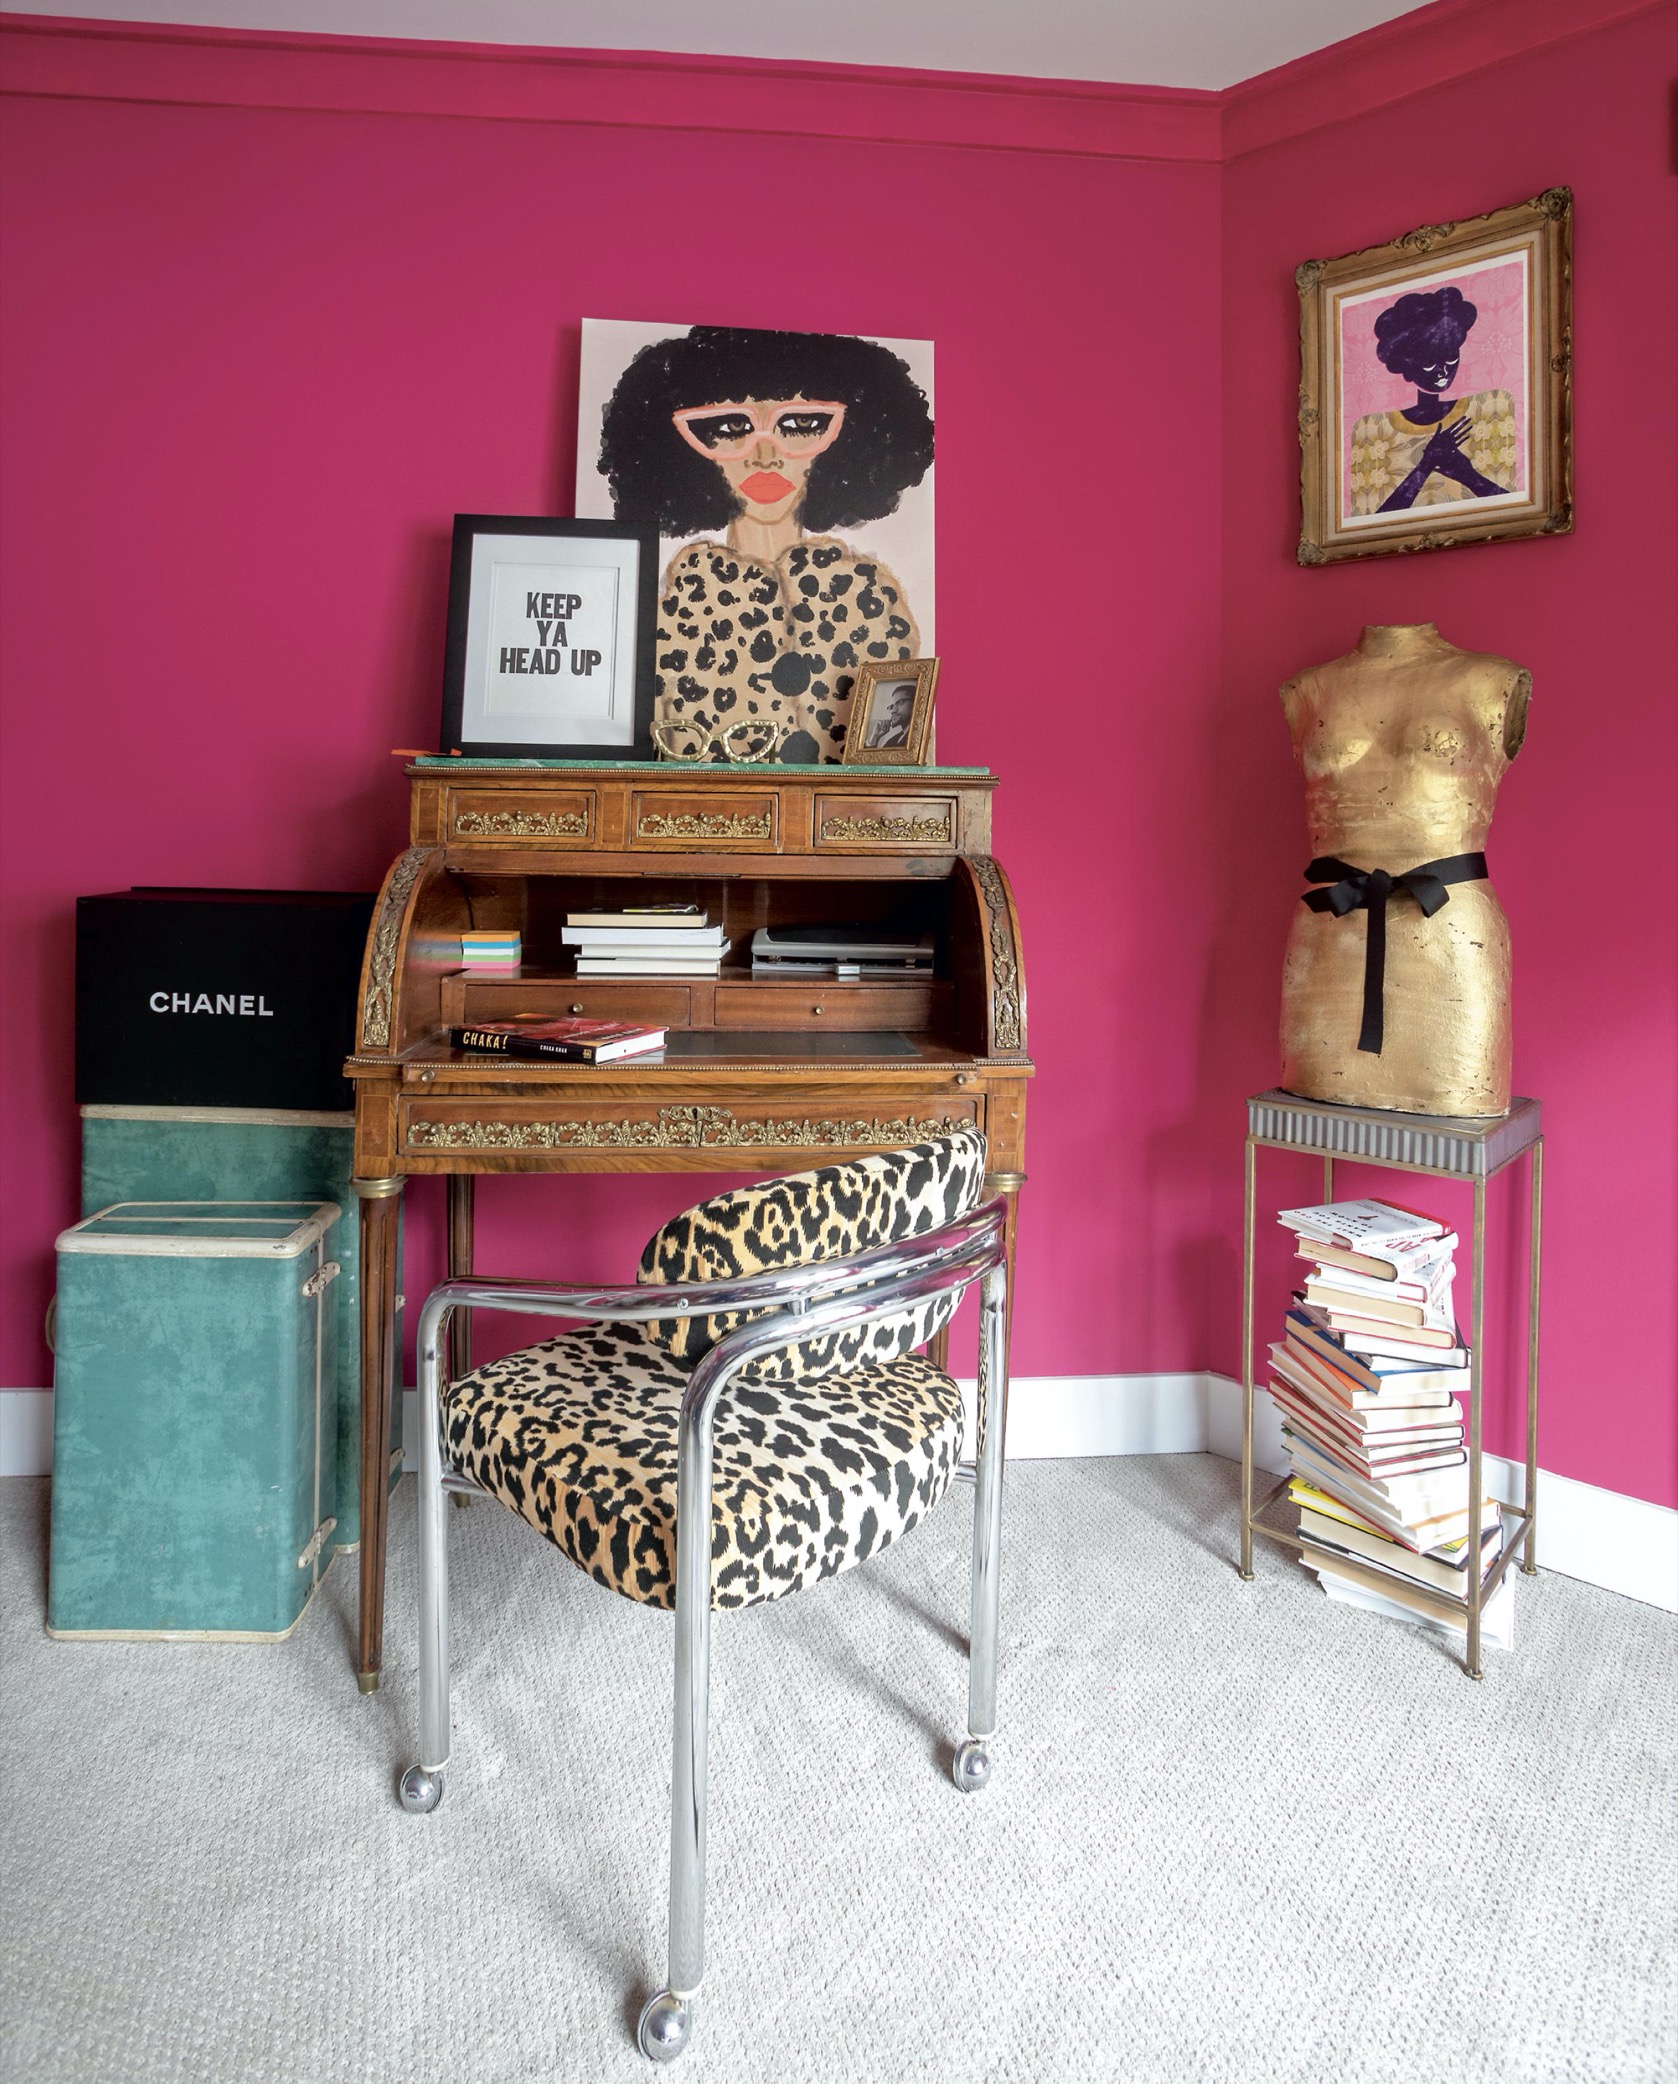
891	714
1435	386
550	645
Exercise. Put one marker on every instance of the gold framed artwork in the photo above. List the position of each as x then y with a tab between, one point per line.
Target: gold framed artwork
1435	386
891	714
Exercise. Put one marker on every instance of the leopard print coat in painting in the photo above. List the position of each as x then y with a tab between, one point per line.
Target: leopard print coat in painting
739	640
814	1470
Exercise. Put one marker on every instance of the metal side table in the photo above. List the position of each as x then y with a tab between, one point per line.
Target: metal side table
1450	1147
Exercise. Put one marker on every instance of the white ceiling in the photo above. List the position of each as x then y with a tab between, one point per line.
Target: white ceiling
1159	43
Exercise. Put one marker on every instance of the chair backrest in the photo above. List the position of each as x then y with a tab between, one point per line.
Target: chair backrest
828	1213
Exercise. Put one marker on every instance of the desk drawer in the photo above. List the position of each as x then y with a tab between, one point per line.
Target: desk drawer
820	1002
655	1005
855	824
536	1128
500	817
722	820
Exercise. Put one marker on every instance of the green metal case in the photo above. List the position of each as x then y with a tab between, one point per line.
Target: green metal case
194	1474
242	1153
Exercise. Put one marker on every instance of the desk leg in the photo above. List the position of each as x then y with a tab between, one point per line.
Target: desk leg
463	1211
463	1208
1009	1184
381	1203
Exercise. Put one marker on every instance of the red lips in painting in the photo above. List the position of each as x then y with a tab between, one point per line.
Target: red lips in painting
764	487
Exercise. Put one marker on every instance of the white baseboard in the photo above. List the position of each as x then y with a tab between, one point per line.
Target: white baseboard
1054	1415
1625	1545
25	1432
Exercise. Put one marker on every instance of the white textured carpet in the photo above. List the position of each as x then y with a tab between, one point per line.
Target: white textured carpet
1235	1833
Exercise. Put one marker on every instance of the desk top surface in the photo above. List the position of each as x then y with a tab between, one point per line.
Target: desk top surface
689	1050
704	770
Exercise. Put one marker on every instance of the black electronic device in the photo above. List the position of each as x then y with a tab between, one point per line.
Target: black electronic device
218	998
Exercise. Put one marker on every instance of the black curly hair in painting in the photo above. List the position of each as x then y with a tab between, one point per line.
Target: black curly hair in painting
884	447
1424	326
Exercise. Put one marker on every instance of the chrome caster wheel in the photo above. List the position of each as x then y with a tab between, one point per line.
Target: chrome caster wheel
665	2026
971	1769
420	1791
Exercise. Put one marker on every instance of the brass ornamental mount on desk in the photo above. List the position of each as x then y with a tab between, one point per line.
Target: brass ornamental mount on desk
522	824
380	967
683	1128
707	825
760	1073
1395	988
918	832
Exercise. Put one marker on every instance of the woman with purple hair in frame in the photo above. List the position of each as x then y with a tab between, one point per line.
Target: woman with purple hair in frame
1440	449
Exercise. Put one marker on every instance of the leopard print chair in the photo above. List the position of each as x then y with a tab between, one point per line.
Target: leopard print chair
766	1362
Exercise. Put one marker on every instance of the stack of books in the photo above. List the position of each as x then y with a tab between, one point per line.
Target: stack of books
847	953
645	941
482	950
1367	1378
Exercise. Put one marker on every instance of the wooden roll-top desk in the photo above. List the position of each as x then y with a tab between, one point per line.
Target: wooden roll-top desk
758	1075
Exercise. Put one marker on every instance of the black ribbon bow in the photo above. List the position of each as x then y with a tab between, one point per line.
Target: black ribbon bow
1368	889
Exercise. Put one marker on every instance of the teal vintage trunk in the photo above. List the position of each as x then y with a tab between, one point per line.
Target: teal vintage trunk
249	1154
194	1477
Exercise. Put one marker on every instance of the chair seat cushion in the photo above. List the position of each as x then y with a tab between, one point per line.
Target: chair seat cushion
578	1436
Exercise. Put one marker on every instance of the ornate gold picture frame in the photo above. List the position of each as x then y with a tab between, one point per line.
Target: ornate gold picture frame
1435	386
891	714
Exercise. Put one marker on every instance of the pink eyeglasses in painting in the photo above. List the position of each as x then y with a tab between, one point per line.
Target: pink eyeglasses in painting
797	426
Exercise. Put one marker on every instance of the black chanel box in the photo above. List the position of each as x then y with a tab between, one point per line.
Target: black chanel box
218	998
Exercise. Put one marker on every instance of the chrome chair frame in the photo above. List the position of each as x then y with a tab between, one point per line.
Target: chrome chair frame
806	1301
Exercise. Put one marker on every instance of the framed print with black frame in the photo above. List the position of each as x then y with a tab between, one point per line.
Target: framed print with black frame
1435	386
550	644
891	714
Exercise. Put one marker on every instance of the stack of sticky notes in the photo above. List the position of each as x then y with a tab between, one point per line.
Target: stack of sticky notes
490	951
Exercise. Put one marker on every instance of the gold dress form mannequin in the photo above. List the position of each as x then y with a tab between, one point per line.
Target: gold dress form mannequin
1403	743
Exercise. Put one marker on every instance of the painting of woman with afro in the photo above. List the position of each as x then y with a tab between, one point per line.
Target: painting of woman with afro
751	451
1435	449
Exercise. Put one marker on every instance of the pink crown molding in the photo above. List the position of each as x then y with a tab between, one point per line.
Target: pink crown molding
1411	54
120	61
57	57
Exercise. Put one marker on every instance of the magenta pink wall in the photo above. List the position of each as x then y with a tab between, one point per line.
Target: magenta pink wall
257	359
257	355
1582	849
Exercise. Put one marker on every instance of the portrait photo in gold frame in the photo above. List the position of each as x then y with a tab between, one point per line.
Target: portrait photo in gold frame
1435	386
891	714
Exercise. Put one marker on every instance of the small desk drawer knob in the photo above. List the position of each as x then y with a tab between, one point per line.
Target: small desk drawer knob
815	1009
577	1006
964	1078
